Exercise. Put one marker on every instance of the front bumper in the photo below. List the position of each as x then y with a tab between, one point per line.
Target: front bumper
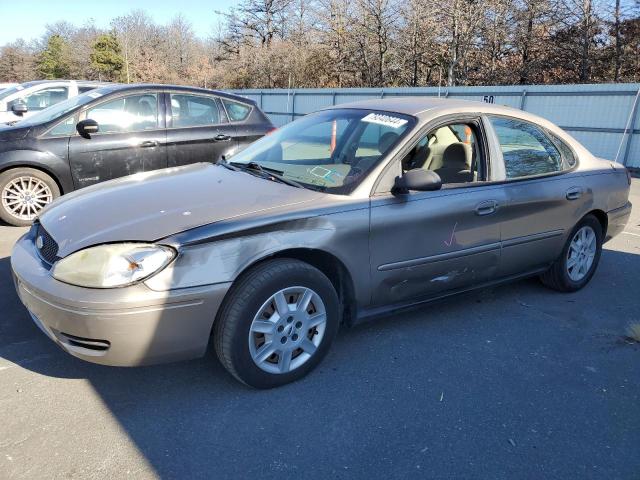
127	326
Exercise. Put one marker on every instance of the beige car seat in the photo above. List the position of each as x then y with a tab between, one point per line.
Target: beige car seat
456	164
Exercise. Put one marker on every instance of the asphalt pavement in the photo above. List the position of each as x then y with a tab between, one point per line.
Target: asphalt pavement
511	382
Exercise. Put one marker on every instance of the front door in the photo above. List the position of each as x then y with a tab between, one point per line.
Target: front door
424	244
130	140
198	130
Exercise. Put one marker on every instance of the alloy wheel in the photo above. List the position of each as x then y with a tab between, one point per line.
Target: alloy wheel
24	197
582	251
287	330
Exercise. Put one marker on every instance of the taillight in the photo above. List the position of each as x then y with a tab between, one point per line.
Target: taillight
271	131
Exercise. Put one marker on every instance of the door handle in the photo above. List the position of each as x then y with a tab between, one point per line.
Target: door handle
486	208
148	143
221	137
574	193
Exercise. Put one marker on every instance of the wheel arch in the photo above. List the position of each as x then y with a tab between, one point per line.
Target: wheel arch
331	266
5	167
602	217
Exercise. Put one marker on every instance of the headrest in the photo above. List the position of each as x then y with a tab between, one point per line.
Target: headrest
457	155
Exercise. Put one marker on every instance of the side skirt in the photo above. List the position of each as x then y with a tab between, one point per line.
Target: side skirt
376	312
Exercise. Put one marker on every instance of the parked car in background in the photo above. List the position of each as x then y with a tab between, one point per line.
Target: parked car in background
115	131
4	86
21	101
341	215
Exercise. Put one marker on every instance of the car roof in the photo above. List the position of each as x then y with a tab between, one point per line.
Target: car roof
427	107
417	106
62	80
161	86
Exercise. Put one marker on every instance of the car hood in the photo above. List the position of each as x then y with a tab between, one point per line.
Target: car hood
10	133
151	206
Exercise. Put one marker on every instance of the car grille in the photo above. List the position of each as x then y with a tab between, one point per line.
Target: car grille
47	247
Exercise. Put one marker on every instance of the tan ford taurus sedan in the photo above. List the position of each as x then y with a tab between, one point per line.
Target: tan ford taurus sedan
342	215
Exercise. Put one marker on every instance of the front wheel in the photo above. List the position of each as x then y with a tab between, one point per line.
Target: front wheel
579	258
24	193
277	324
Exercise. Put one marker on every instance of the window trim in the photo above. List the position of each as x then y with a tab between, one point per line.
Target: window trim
545	131
439	122
169	109
82	114
251	107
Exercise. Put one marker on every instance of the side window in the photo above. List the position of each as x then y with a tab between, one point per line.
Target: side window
63	129
133	113
193	110
525	148
452	151
237	111
45	98
567	154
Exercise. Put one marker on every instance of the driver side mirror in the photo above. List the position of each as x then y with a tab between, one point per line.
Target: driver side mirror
417	179
86	127
19	108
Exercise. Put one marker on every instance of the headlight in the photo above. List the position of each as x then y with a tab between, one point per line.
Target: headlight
116	265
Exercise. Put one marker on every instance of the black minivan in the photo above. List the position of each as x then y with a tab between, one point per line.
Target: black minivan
115	131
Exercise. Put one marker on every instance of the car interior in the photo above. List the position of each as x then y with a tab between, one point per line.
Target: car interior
192	111
451	151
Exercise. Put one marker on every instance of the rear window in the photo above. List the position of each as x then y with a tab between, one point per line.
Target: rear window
567	154
236	111
526	150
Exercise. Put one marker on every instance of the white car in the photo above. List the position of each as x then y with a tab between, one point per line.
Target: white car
4	86
21	101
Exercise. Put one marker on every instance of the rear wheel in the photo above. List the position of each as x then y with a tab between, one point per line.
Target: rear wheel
277	324
24	193
579	258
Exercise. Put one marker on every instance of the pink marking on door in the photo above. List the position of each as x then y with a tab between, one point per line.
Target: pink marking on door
453	235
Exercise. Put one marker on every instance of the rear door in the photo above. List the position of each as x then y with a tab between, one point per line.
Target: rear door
131	139
197	129
543	197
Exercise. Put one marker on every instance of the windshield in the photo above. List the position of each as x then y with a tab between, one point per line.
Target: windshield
330	151
62	108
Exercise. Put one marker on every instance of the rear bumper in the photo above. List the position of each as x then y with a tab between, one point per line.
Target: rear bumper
124	326
617	220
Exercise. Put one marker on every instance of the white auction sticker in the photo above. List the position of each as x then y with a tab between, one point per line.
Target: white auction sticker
386	120
94	94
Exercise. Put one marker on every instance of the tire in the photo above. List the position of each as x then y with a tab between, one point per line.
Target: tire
559	276
254	293
19	181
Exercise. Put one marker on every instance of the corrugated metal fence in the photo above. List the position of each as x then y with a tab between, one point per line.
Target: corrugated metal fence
604	118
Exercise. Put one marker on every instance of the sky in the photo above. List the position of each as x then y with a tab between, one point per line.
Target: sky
27	18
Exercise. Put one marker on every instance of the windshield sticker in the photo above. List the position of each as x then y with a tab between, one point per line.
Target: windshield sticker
326	174
320	172
386	120
94	94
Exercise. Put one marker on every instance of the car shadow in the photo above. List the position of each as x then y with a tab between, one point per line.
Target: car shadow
434	377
